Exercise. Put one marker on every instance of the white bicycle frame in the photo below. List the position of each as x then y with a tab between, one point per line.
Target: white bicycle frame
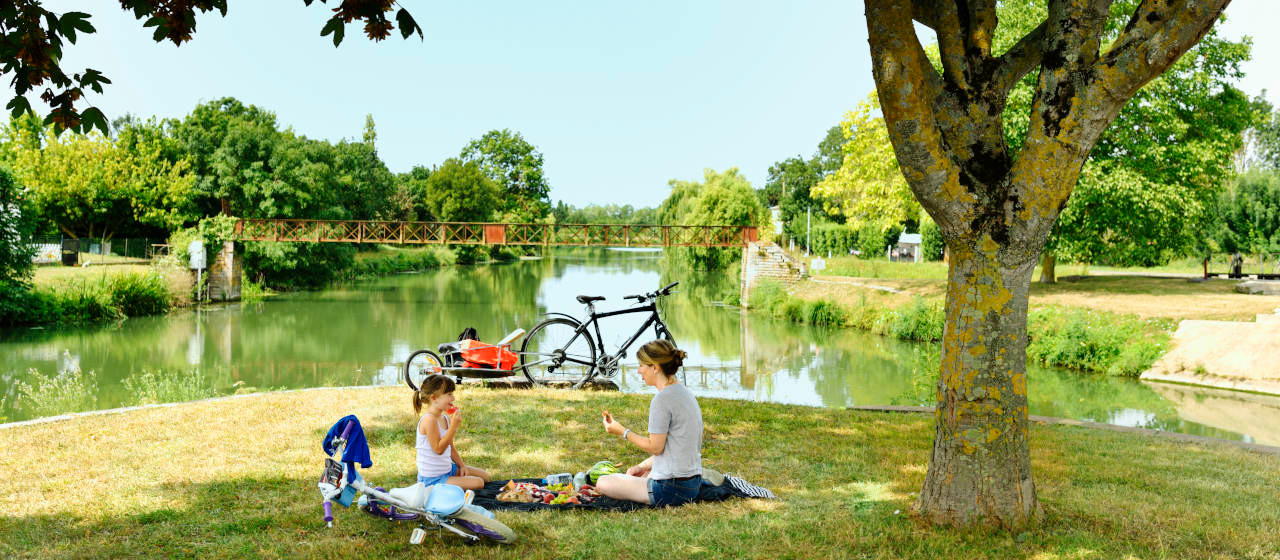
331	492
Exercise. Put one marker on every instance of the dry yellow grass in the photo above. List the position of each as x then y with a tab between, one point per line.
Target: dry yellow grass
236	478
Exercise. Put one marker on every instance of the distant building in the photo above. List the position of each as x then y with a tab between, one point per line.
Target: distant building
908	249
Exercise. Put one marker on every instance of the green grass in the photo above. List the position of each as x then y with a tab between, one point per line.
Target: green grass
936	270
236	478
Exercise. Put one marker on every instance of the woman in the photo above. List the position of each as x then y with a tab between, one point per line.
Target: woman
673	472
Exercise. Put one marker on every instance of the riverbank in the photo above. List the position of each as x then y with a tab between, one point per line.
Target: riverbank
1078	338
64	296
244	484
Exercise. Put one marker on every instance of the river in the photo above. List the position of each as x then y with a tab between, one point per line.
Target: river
360	334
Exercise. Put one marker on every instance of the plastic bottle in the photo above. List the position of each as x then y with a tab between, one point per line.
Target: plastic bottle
560	478
579	480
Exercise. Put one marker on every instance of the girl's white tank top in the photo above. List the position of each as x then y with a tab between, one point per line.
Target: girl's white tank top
431	463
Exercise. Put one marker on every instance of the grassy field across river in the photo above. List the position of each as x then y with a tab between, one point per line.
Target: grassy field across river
235	478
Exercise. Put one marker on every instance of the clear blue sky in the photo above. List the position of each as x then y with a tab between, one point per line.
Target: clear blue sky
619	97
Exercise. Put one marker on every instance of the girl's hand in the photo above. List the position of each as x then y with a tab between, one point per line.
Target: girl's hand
456	417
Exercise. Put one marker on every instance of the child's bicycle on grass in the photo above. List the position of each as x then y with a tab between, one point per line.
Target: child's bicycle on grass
444	506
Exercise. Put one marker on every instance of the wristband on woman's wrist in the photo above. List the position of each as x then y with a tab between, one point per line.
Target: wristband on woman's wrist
625	432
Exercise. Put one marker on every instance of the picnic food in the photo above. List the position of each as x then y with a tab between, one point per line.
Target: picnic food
600	469
555	494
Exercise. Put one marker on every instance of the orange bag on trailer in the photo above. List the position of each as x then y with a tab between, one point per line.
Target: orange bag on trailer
476	354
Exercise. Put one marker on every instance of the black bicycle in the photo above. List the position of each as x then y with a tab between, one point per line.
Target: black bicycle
562	349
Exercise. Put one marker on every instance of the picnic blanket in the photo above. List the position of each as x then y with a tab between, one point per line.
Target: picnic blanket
732	487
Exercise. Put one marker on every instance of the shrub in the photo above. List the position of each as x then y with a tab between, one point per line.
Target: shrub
767	295
60	393
136	295
172	386
823	312
931	241
1095	341
917	320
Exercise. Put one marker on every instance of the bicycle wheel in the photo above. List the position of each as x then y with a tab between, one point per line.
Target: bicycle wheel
555	352
480	524
419	365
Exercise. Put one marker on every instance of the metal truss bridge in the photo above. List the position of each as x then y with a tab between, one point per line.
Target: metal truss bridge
463	233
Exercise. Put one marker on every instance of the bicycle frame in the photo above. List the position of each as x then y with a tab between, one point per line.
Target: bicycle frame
611	361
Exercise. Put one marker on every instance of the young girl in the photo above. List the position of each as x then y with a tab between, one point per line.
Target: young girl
438	460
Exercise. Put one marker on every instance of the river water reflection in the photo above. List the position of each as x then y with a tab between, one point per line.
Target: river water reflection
360	334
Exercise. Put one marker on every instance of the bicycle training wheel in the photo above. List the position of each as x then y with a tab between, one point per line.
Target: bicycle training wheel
480	524
554	351
419	365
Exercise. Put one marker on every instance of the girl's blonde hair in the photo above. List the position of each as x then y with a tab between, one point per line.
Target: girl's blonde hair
433	386
663	354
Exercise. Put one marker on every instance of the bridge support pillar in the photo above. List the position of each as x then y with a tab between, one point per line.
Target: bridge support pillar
765	259
224	274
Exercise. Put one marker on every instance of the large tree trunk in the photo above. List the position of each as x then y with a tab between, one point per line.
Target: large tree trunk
980	467
996	209
1047	275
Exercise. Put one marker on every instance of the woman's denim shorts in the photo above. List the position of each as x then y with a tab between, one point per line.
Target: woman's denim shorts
673	492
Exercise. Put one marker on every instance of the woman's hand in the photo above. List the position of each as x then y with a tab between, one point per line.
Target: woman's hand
611	426
640	470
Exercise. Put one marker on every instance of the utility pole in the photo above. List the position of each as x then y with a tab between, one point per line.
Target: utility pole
808	229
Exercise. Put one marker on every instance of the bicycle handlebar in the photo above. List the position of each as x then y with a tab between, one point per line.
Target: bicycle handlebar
654	294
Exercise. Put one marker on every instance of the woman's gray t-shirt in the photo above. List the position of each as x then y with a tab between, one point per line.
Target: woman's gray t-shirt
674	411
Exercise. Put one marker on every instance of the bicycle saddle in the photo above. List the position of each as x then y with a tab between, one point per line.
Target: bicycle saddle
589	299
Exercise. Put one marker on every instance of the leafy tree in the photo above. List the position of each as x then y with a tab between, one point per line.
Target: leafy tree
15	255
1250	214
996	206
89	185
516	167
790	186
868	186
411	187
603	214
1261	148
1173	140
32	39
460	191
722	198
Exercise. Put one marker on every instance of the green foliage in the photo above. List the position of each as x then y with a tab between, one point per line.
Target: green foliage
1249	214
834	239
603	214
722	199
1095	341
872	240
136	295
917	320
868	188
395	261
15	255
1147	191
931	241
461	192
90	185
515	166
411	195
58	393
162	386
